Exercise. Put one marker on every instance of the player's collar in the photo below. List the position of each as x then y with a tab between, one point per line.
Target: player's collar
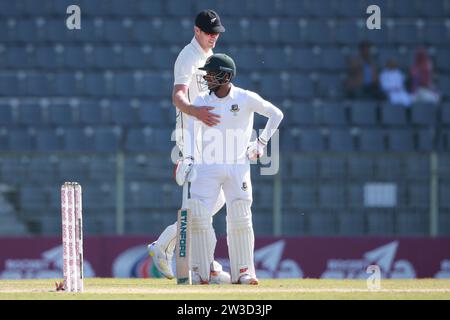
198	48
230	94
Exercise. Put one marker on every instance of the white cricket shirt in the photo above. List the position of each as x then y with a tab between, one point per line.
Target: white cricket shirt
186	70
228	141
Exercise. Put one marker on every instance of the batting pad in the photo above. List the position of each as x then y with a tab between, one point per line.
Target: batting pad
168	239
203	239
240	239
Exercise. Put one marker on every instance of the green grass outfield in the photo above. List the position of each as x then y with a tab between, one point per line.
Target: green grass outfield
104	289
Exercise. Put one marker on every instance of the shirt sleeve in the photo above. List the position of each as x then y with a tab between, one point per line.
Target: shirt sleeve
267	109
193	129
183	70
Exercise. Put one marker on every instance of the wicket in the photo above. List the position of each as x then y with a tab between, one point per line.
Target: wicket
72	236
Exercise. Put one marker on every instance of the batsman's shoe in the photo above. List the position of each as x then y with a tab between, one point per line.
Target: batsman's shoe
161	259
247	279
217	275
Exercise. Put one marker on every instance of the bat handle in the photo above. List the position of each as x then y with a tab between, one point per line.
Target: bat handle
185	195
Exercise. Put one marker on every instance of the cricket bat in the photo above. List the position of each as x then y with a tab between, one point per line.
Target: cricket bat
183	245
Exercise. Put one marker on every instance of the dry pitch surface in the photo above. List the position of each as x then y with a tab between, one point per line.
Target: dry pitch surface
105	289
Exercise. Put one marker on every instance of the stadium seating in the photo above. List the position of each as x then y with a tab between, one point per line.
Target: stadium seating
73	102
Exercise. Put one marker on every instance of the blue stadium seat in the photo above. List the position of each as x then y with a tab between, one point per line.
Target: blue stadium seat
435	33
444	84
351	224
108	57
380	223
363	113
371	140
124	112
343	29
50	57
19	57
392	115
412	224
294	224
444	199
390	166
406	33
301	86
164	58
274	86
93	112
107	139
401	140
404	8
311	140
360	167
265	31
302	114
72	169
332	168
249	59
442	61
341	140
10	85
147	31
79	139
330	86
304	168
176	31
333	114
302	196
98	85
32	198
125	85
332	59
332	196
293	7
20	140
291	32
151	114
427	139
305	59
417	167
321	224
155	85
119	8
356	194
418	195
140	140
135	57
268	8
102	168
263	196
276	59
438	9
151	8
97	196
67	84
422	114
318	32
48	140
237	31
445	114
6	114
118	30
30	113
62	113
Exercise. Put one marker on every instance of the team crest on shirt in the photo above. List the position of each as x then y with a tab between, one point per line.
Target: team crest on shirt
235	109
244	186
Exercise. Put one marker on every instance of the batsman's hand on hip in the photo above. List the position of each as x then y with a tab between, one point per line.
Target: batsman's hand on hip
255	149
184	170
204	115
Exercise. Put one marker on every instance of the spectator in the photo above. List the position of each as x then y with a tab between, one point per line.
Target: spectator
421	77
392	82
362	76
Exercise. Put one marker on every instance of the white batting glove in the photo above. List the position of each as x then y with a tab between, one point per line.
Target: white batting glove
184	170
255	149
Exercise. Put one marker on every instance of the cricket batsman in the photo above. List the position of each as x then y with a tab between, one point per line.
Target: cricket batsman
221	164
